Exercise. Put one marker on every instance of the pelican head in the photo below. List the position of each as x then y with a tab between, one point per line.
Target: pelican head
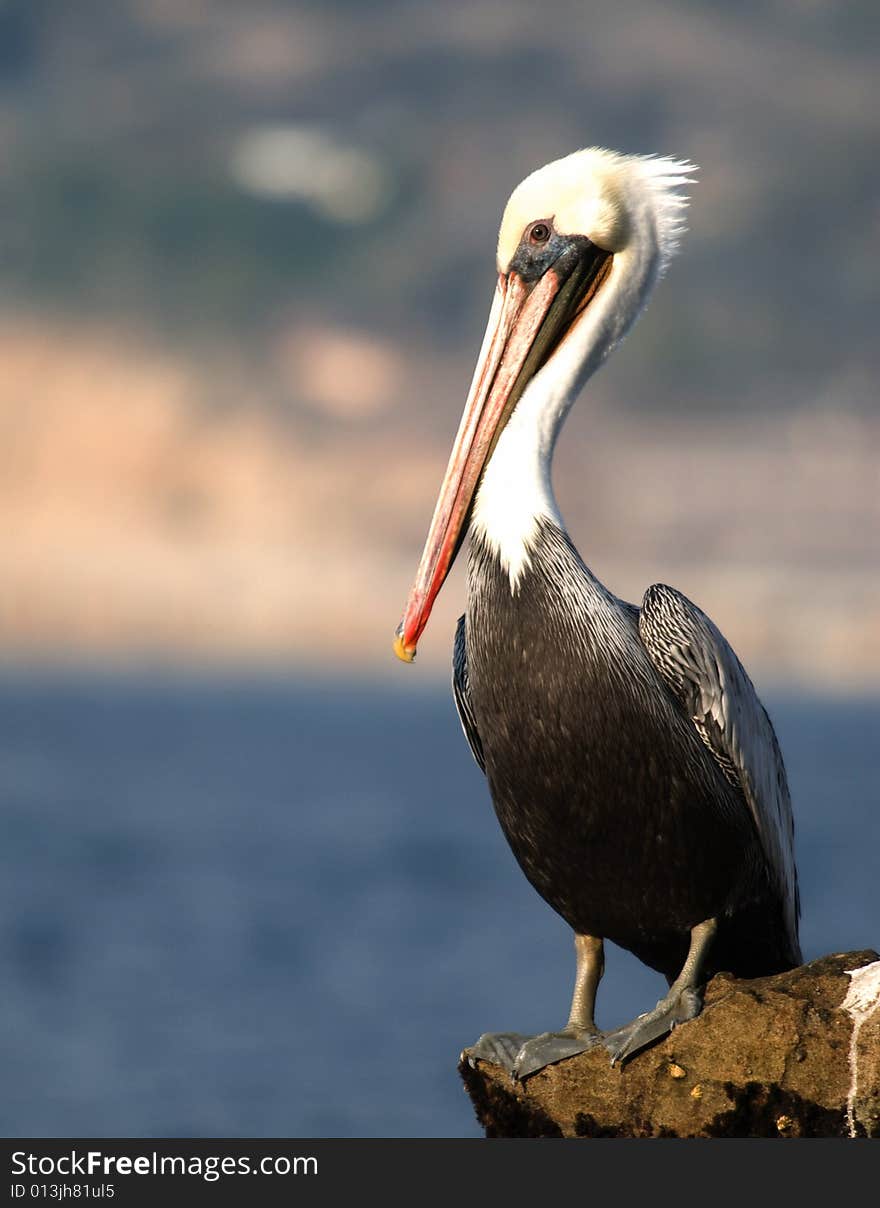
582	242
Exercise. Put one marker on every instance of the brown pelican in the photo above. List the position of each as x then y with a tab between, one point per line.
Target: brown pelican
633	769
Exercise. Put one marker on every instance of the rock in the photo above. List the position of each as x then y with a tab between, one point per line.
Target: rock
794	1055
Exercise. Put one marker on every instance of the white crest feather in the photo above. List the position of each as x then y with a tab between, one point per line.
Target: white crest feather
667	180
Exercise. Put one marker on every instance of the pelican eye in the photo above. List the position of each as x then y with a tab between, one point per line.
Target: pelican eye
540	232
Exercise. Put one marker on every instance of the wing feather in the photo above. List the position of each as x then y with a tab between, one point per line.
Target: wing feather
704	673
461	693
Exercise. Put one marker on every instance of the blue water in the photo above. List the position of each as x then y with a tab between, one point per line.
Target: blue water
258	907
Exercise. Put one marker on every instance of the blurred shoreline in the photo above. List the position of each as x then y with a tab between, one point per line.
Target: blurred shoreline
142	522
247	259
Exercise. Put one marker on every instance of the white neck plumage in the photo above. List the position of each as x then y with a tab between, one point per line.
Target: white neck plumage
516	489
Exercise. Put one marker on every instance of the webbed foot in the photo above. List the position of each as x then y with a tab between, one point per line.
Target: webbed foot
500	1048
669	1012
550	1047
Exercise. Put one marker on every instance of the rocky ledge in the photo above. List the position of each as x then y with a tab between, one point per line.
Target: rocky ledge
795	1055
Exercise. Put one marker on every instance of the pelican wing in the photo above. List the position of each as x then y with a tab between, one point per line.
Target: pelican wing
461	692
704	673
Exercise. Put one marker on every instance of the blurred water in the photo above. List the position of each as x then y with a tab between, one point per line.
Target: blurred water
261	907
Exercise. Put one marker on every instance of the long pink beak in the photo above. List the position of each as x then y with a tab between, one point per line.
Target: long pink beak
517	315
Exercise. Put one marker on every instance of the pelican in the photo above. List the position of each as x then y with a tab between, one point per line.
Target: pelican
632	767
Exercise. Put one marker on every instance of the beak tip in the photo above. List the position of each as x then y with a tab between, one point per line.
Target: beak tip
405	653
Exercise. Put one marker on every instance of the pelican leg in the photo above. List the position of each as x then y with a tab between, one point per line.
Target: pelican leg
524	1055
580	1033
684	1001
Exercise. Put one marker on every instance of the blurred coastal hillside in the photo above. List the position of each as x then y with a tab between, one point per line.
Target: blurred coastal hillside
247	253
